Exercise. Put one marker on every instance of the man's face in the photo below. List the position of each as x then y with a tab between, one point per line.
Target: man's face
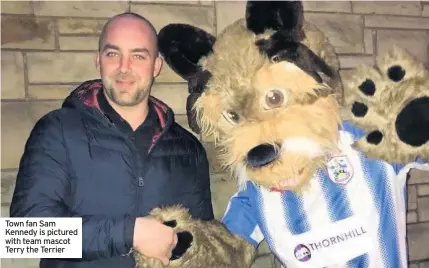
128	61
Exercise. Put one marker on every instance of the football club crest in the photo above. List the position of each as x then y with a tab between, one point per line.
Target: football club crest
339	169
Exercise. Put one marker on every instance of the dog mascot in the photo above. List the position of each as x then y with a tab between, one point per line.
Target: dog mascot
322	178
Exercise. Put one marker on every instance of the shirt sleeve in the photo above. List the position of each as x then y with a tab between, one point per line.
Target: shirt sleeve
403	170
241	216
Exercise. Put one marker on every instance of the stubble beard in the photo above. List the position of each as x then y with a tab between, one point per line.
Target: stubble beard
131	99
126	98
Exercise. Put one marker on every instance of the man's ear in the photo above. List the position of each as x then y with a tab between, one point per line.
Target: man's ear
182	46
157	66
97	61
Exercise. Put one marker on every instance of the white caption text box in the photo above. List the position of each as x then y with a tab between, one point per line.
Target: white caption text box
41	237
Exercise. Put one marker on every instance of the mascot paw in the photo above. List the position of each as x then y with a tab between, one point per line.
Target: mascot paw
201	244
390	102
184	240
176	218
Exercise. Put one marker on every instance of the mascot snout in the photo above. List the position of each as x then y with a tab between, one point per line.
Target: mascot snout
262	155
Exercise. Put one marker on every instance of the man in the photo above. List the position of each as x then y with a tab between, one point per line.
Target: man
111	154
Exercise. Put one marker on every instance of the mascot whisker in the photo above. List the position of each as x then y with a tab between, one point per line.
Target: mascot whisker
321	165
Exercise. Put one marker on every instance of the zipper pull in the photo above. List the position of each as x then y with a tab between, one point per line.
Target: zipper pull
141	182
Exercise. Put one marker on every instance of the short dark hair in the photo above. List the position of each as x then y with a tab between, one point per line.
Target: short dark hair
126	14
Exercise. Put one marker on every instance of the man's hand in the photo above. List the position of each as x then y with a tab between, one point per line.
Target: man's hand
153	239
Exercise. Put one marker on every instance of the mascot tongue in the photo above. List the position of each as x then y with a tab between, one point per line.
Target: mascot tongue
285	184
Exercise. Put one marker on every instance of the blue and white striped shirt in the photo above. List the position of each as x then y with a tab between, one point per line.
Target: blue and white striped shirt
354	216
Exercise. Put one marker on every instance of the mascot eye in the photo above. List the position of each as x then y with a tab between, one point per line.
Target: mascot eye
275	58
275	98
231	117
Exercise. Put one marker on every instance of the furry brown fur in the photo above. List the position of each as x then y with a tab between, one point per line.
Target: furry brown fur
218	247
247	91
237	110
319	43
268	90
386	104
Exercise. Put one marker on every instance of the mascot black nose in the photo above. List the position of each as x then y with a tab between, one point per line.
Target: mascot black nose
262	155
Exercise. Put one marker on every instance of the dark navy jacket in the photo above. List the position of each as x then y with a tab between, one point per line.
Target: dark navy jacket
77	164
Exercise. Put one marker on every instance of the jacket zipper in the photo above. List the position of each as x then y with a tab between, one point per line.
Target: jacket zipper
135	158
138	172
151	148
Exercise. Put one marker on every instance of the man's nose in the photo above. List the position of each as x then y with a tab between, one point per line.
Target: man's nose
125	65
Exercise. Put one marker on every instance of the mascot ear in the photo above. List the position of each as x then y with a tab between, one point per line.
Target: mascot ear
286	19
182	46
284	16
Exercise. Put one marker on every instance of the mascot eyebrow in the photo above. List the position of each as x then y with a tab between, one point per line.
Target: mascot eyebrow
268	90
286	45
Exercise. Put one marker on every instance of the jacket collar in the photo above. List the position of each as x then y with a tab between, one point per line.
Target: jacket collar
84	97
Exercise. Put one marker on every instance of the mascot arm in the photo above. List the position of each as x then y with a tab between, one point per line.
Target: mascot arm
240	216
206	244
389	104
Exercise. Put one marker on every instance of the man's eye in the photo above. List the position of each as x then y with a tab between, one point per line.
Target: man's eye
139	57
111	54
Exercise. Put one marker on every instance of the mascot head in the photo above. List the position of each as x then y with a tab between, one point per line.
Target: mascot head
267	89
